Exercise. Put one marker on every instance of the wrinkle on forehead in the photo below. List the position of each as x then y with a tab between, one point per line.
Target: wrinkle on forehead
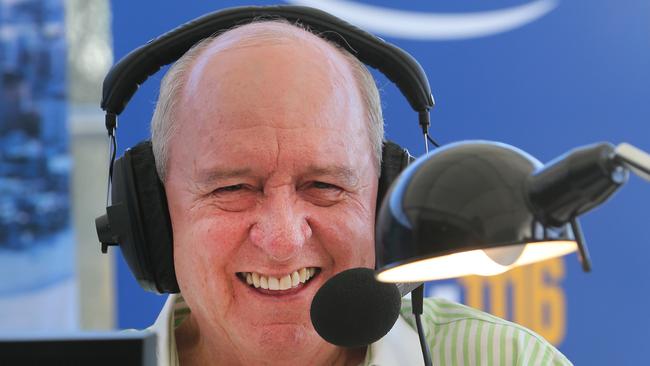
269	34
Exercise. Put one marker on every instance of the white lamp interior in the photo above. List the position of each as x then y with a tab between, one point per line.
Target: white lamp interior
474	262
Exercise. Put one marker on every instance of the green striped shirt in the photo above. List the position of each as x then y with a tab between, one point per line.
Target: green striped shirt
460	335
457	335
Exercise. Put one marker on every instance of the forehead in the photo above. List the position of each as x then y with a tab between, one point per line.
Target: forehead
270	100
287	82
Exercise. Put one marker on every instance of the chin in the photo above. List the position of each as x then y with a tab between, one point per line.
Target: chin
282	340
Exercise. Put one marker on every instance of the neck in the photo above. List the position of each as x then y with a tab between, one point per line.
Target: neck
198	347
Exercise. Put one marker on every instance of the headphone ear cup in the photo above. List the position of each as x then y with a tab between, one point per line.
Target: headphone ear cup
394	159
146	242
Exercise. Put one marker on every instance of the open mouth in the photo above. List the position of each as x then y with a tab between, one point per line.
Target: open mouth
295	279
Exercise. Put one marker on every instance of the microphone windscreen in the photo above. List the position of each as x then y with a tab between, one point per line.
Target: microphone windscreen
352	309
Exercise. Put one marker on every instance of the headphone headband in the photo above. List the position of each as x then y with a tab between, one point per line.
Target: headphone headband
125	77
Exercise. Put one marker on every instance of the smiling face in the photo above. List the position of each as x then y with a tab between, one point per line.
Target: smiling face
270	179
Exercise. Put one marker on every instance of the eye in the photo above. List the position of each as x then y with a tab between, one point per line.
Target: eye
231	191
322	193
232	188
323	185
234	197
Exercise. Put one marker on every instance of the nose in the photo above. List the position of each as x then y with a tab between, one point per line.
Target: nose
281	228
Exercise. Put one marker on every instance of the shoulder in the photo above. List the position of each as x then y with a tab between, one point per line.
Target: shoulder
457	334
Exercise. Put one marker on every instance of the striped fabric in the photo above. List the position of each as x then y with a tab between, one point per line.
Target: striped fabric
181	310
460	335
457	335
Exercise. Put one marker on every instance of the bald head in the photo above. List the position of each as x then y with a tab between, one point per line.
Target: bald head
268	49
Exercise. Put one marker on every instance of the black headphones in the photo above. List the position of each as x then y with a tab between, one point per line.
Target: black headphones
138	218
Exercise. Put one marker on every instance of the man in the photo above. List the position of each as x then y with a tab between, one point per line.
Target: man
268	141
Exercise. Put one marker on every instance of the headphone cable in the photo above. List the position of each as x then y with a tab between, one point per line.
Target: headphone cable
111	125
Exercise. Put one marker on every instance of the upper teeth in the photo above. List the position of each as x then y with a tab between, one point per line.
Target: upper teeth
279	283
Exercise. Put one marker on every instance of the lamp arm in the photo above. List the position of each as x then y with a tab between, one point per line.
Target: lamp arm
635	159
575	183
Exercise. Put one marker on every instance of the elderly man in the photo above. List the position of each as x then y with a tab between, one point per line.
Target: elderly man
268	141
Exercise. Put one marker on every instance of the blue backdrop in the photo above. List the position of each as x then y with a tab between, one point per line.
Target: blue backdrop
37	271
572	73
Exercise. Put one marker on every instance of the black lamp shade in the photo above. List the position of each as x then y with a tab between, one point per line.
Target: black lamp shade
463	197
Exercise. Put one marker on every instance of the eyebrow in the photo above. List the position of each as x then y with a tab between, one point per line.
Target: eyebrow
345	174
211	175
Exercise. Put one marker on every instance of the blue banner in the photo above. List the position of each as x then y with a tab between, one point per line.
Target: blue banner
37	262
543	75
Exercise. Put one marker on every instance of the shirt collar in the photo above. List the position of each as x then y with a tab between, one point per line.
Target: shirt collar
401	346
164	328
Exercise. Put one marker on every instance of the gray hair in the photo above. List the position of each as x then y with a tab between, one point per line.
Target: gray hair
163	124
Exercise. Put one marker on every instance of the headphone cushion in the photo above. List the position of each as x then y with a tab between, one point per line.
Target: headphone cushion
154	216
394	159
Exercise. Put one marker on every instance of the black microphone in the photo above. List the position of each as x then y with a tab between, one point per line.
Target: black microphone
352	309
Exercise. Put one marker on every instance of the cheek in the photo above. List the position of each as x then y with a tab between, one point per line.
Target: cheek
201	249
347	238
